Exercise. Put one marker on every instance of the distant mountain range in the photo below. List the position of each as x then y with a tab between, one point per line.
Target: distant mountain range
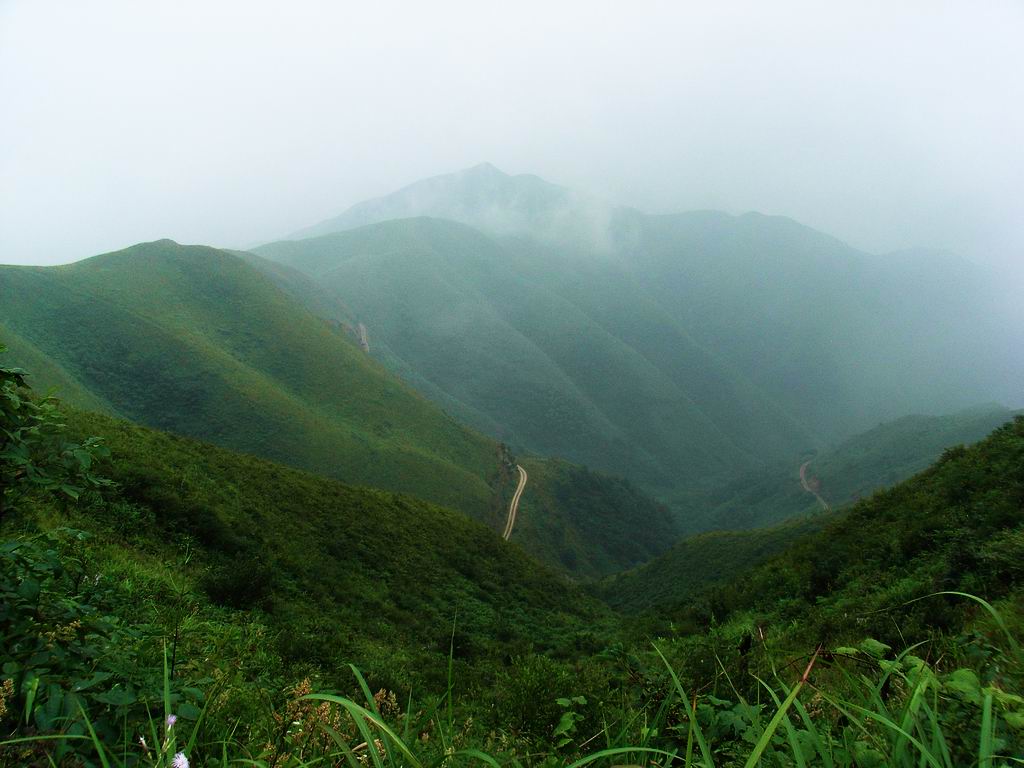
678	350
688	353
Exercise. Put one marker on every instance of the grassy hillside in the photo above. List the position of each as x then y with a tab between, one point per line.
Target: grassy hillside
196	341
855	469
352	573
955	526
589	523
679	350
252	576
843	473
608	381
223	589
192	340
697	562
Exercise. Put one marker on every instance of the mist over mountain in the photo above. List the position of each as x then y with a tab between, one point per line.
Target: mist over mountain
675	349
196	341
686	429
489	199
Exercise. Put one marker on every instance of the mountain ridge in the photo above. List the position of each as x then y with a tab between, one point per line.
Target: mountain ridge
198	341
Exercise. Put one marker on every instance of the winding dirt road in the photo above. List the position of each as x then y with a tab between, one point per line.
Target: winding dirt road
807	486
513	508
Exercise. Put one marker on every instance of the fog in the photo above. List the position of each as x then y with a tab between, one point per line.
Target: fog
232	123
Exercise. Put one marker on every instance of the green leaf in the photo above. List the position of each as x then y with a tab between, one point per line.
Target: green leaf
28	589
874	648
99	677
964	682
117	697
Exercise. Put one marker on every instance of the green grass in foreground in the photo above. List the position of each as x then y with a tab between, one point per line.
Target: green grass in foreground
233	594
850	707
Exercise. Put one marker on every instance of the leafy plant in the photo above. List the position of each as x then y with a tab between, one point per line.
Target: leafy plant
34	456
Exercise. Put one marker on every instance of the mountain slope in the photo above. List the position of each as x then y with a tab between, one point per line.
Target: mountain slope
678	349
836	337
843	473
955	526
196	341
698	562
190	339
338	573
550	372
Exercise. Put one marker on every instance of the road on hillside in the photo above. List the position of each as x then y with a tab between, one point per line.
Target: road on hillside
513	508
807	487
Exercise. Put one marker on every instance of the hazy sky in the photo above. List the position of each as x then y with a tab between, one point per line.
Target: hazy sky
887	124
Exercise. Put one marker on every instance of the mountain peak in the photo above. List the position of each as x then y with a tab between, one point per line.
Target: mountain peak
485	169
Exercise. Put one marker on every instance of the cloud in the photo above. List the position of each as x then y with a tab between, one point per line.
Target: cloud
887	125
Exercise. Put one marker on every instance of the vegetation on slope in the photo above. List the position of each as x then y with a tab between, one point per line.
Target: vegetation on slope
696	562
834	336
959	525
844	473
118	630
676	350
589	523
503	340
192	340
195	341
246	573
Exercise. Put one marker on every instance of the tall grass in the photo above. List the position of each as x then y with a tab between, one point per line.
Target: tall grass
850	707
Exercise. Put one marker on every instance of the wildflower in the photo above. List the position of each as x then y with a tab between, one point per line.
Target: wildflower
171	720
179	761
6	694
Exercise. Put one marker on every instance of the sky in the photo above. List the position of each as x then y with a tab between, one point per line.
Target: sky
230	123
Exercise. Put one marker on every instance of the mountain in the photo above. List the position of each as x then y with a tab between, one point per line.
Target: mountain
697	562
843	473
607	379
231	588
331	571
838	338
776	511
489	199
679	350
196	341
954	526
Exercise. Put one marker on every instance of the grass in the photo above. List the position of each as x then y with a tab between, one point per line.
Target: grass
557	358
195	341
955	525
235	594
847	472
847	708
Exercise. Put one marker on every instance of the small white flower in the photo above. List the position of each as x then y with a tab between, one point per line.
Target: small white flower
171	720
179	761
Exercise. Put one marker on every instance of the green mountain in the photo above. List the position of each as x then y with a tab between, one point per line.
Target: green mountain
843	473
697	562
333	572
225	588
513	352
838	338
918	519
196	341
955	526
777	511
679	350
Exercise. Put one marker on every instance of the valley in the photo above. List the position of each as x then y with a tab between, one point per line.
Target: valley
511	385
538	458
